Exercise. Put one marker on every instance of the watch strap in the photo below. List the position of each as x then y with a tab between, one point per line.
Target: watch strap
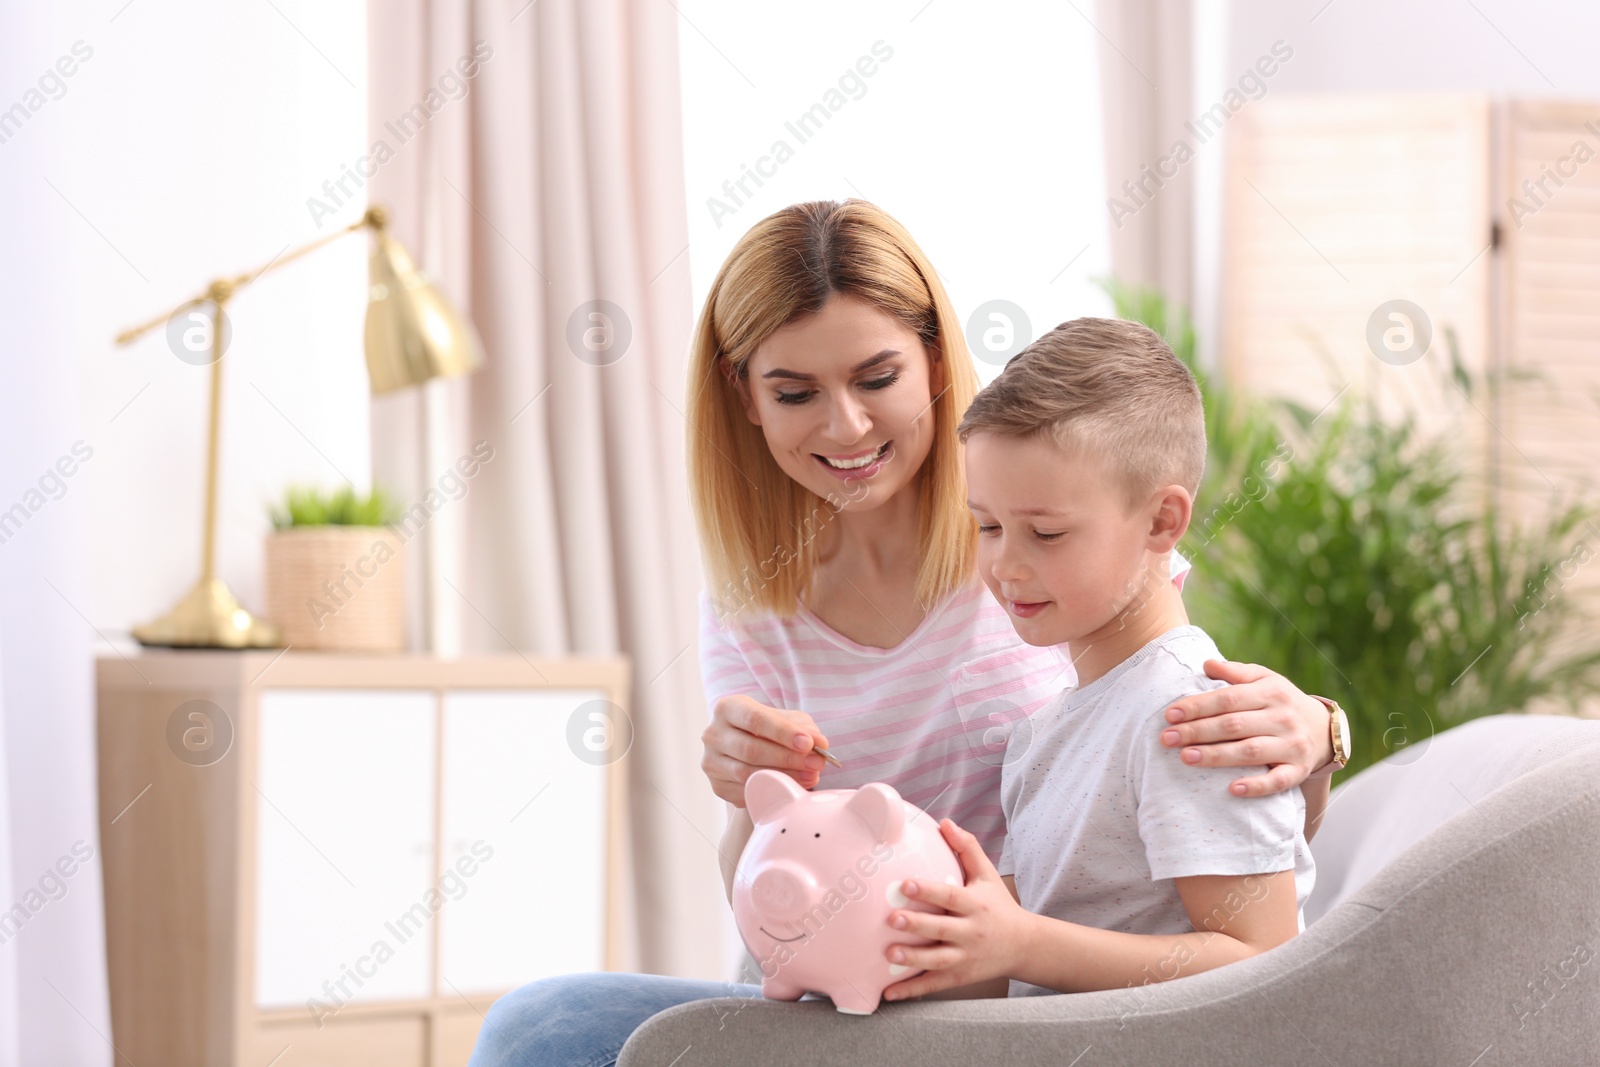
1335	763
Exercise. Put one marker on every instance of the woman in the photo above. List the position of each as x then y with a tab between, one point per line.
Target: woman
826	381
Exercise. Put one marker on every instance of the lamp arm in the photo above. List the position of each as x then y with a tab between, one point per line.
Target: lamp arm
220	290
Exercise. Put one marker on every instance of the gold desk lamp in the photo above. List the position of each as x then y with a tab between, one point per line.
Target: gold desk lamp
412	335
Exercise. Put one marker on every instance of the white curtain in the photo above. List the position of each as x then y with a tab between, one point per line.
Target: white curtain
1147	93
10	1000
548	179
53	1001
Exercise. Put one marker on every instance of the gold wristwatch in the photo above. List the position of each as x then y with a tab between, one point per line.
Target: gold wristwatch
1338	731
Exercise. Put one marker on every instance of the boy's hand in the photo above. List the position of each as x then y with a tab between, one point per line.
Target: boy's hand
983	934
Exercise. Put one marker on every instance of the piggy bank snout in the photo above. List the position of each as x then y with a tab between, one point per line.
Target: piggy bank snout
784	890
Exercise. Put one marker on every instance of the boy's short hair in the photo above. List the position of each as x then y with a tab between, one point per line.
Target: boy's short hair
1107	385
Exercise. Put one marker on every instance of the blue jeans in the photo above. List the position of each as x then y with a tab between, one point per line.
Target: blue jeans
583	1020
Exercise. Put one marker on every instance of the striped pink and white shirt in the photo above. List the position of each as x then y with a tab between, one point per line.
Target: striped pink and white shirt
930	716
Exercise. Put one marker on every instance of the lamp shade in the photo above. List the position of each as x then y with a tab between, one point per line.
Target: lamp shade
412	332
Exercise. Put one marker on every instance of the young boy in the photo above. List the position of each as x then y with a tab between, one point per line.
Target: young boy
1121	865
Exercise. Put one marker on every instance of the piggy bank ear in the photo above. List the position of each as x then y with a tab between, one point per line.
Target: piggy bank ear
881	809
766	792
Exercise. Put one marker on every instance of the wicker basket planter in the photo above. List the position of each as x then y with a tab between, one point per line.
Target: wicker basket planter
337	587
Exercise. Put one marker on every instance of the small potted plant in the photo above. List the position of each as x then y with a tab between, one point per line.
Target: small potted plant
336	571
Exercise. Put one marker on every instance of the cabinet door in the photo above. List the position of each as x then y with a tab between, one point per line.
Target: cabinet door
345	897
526	816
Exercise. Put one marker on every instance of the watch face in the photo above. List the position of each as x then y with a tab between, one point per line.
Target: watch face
1344	733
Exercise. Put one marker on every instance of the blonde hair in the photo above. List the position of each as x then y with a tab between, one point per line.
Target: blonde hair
757	525
1110	386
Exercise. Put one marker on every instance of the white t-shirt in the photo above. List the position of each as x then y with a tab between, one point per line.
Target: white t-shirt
1101	817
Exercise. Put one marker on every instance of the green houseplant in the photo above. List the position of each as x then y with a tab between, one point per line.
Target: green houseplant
310	506
335	571
1349	552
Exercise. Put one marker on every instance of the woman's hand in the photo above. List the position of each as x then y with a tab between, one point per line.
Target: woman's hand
1260	718
745	736
982	935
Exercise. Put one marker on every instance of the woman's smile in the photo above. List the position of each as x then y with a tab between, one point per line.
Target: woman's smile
847	391
861	465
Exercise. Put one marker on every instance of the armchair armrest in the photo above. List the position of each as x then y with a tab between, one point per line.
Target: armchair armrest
1432	961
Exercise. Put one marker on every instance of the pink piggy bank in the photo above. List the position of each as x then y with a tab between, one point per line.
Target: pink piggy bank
818	879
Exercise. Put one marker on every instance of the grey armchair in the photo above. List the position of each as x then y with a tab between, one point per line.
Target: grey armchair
1456	921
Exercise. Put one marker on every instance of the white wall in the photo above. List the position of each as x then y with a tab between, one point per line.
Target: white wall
195	136
52	963
1527	47
183	145
980	133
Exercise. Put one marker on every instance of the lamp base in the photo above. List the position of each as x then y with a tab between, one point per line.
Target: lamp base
208	616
